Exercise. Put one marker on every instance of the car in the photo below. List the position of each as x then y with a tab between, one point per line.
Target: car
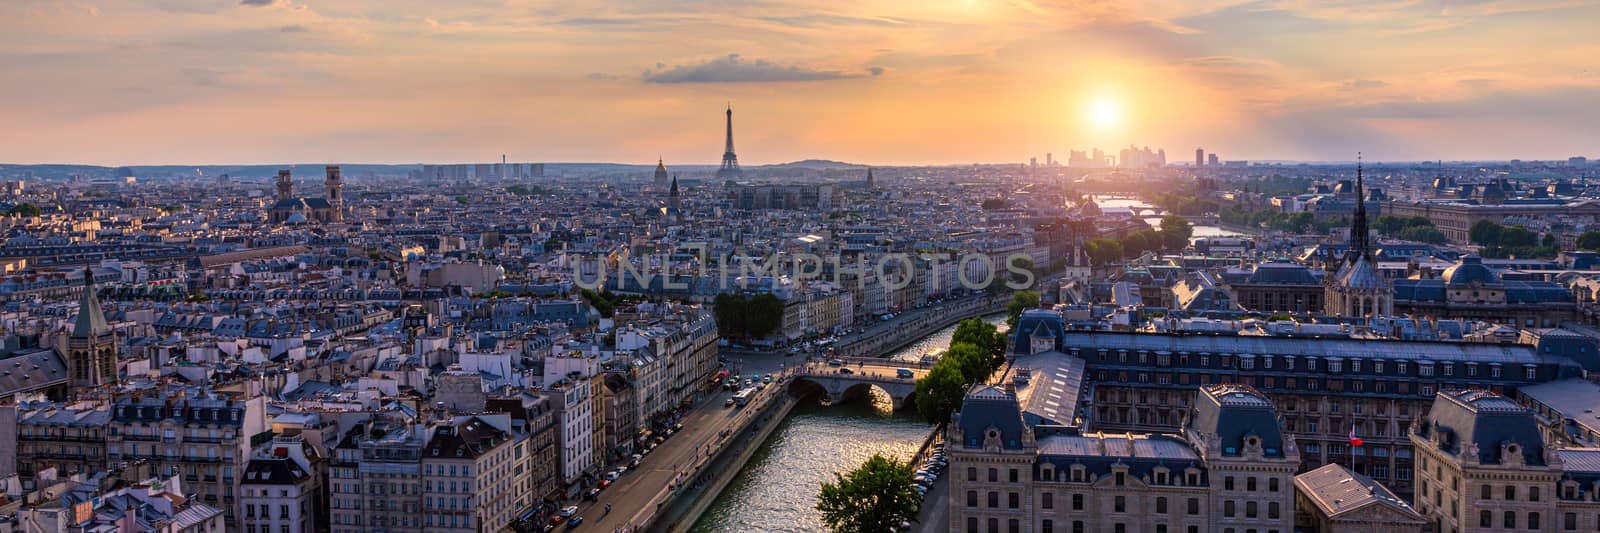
904	373
609	476
624	469
568	511
576	520
728	402
835	362
592	495
846	371
767	378
604	483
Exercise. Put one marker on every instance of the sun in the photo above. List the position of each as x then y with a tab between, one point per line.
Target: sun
1104	112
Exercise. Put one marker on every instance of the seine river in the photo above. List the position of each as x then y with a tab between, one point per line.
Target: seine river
777	489
1200	230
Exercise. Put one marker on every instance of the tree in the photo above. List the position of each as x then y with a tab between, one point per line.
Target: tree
1020	301
1103	251
970	360
24	209
985	336
1427	234
878	496
1176	232
939	393
994	203
1549	240
1589	240
1484	233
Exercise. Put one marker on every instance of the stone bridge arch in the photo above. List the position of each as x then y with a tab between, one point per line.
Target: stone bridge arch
843	388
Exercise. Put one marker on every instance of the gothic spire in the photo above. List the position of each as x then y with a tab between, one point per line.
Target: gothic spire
1358	223
91	320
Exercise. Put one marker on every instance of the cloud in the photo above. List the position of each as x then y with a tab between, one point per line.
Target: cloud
876	71
601	76
293	28
808	21
735	69
258	3
204	76
1357	85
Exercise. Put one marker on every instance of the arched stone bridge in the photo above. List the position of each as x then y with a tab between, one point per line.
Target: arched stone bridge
856	377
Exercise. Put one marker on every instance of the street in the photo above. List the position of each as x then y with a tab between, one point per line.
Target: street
629	494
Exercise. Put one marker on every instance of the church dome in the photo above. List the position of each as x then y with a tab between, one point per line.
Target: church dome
1470	271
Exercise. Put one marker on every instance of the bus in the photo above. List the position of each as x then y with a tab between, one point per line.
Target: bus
742	398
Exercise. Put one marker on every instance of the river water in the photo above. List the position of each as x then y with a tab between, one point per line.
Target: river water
776	490
1200	230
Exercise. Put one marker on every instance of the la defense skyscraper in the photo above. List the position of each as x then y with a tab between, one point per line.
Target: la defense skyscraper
730	161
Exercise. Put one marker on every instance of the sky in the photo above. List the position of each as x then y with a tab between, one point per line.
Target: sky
118	82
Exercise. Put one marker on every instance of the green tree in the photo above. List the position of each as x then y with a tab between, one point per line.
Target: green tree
939	393
1484	233
994	203
1589	240
1549	240
1103	251
1020	301
970	360
985	336
1427	234
1176	232
24	209
876	497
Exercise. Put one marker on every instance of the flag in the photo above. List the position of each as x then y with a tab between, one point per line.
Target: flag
1354	440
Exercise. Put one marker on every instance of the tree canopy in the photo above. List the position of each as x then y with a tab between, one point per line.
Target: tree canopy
876	497
1589	240
24	209
939	393
1020	301
748	317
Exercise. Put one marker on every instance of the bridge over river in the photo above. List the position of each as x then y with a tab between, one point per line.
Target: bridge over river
855	377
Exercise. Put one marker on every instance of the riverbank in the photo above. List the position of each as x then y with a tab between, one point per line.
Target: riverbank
722	470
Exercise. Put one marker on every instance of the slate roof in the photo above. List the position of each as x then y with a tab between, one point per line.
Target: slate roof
273	471
1487	420
1234	413
29	371
466	437
990	407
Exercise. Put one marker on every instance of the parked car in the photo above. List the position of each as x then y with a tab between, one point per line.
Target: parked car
574	522
569	511
728	402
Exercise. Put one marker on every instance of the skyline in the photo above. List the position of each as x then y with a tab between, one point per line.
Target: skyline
884	83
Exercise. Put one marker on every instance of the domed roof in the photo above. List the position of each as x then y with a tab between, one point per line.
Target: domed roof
1470	271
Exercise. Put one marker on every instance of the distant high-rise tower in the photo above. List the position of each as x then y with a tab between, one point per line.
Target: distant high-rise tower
660	181
869	178
285	184
335	183
1049	159
730	162
1212	159
1199	157
91	348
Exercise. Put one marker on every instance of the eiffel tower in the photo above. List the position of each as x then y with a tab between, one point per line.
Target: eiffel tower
730	162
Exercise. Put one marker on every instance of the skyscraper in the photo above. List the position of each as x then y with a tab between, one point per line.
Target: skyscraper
730	162
1199	157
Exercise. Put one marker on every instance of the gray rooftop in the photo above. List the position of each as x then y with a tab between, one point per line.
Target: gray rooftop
1336	490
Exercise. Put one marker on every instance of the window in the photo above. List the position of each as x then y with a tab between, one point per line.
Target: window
1250	509
1077	502
972	498
994	499
1533	494
994	475
972	524
972	473
1014	500
1194	506
1227	483
1511	492
1047	527
1533	373
1250	483
1120	505
1486	492
1272	509
1013	526
1077	526
1227	509
1485	519
994	525
1272	485
1533	521
1569	522
1161	505
1049	500
1013	475
1510	519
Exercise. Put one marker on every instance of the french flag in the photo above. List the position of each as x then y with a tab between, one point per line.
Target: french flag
1354	440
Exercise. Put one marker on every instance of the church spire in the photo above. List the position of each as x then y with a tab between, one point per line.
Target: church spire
91	320
1358	223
